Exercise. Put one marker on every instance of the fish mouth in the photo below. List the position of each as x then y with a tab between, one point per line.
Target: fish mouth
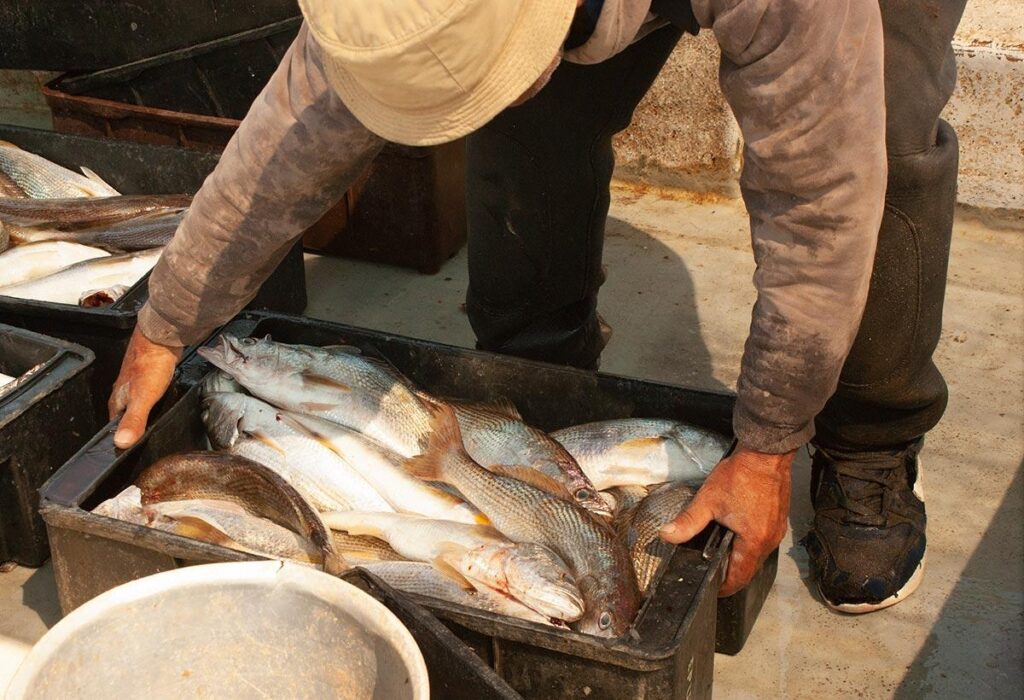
562	605
225	357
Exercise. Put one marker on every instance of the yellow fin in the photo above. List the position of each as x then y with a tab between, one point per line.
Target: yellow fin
642	444
533	477
266	440
449	551
319	380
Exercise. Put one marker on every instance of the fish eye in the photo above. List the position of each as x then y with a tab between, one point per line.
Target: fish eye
583	494
605	621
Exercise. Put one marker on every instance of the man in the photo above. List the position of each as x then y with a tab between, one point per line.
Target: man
805	80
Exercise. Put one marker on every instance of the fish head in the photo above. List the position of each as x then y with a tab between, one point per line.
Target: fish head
251	361
582	490
228	416
220	381
541	580
610	615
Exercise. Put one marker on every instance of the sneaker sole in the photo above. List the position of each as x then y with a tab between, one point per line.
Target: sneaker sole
898	597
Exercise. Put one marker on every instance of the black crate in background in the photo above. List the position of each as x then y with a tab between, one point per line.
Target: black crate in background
131	169
670	653
45	417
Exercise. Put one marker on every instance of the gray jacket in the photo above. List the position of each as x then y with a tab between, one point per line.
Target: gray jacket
804	78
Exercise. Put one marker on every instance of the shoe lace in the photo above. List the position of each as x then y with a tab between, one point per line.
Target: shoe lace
869	485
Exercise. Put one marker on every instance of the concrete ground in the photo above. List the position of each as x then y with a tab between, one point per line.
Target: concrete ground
678	295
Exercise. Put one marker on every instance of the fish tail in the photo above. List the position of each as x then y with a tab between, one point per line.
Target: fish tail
334	563
445	441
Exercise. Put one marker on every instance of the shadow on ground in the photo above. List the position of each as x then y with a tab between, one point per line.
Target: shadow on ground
963	640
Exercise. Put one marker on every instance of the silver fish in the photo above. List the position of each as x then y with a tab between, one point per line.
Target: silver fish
524	513
287	448
10	188
424	580
498	435
38	177
152	230
638	529
87	212
28	262
642	451
384	470
67	285
344	387
94	298
528	572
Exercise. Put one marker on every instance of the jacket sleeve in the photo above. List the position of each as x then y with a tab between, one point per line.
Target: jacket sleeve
804	79
295	154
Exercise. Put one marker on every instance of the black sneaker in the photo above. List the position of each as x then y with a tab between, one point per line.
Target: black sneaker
867	546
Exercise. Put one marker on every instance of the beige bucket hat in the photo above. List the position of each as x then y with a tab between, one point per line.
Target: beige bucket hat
422	72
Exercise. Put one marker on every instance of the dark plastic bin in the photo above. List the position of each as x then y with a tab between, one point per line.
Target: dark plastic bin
45	417
670	650
407	209
66	35
131	169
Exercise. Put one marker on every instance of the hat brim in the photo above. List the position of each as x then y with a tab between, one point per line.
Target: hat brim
532	45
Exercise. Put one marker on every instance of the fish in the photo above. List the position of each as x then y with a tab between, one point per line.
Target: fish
525	513
358	548
337	384
126	506
27	262
252	486
229	525
289	450
5	238
219	381
497	435
88	212
528	572
642	451
152	230
38	177
383	470
95	298
638	529
625	497
10	188
424	580
66	286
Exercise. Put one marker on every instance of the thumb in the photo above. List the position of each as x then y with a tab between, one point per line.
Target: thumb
133	423
688	524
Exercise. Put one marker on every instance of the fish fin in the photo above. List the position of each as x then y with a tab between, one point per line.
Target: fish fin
267	440
342	349
385	365
333	563
444	438
505	407
99	181
643	443
312	379
533	477
311	406
442	562
199	529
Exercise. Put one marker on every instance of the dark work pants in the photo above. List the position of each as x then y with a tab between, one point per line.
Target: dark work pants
537	186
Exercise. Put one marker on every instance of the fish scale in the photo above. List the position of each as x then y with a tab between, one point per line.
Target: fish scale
36	176
140	233
323	476
423	579
27	262
638	529
67	286
491	438
87	212
526	514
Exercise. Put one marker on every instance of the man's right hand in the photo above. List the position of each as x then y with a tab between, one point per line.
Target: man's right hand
146	373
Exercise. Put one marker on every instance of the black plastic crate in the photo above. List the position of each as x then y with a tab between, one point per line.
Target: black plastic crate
45	417
668	654
131	169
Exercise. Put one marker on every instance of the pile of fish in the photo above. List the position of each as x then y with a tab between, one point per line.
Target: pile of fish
71	238
330	456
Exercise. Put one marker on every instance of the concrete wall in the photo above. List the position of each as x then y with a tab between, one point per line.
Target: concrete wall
683	134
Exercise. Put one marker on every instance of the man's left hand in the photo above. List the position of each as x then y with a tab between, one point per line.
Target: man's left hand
748	492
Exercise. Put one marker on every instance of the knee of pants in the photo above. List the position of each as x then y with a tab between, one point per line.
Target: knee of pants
903	316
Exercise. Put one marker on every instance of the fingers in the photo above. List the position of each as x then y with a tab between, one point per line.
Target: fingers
742	566
688	524
133	423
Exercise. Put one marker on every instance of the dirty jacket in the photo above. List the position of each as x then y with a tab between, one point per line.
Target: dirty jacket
804	79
